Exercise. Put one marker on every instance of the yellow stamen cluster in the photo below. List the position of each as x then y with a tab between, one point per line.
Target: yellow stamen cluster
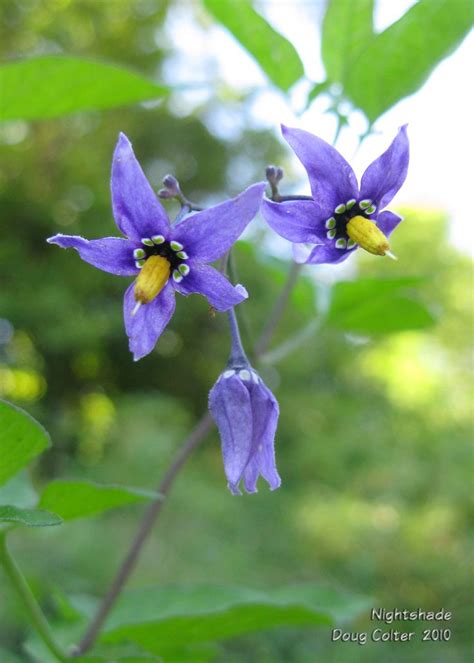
152	279
366	234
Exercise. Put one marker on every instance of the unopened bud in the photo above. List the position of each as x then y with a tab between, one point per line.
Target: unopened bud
172	185
274	174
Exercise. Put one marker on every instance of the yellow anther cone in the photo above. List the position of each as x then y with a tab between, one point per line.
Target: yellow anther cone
152	279
366	234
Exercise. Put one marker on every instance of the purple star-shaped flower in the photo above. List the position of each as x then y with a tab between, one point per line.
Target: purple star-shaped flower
164	258
340	217
246	414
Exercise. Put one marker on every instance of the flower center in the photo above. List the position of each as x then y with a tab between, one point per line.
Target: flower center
157	259
351	225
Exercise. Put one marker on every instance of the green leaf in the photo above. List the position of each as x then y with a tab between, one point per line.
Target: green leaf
377	306
347	30
157	618
78	499
54	85
275	54
398	61
28	517
21	439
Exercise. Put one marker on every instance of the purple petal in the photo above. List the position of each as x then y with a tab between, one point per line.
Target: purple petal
207	235
385	175
207	281
331	178
297	220
387	222
137	211
324	253
145	327
265	413
111	254
229	402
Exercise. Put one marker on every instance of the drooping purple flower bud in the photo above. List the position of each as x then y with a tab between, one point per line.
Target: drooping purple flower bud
246	414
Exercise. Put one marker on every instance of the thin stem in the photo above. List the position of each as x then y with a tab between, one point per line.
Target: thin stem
237	352
277	312
201	429
29	601
284	199
242	317
289	346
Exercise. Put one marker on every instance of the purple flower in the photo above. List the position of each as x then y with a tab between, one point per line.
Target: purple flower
340	217
246	414
164	258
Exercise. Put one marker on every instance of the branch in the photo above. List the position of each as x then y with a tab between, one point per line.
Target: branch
195	437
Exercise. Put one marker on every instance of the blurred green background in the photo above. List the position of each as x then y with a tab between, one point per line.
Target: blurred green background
374	439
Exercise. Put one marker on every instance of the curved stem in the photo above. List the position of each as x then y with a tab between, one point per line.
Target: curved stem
278	309
32	606
196	436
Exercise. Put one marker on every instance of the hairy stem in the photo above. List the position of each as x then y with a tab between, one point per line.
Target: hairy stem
196	436
30	603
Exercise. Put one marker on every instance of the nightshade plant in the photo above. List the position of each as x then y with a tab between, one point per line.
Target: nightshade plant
165	258
172	257
370	69
339	217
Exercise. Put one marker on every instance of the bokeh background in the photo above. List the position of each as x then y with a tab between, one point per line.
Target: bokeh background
374	439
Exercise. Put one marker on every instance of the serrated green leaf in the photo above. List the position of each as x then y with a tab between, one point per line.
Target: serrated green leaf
156	618
28	517
21	439
55	85
79	499
397	62
276	55
347	30
374	306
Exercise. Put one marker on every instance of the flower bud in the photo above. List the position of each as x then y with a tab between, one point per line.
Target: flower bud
274	174
171	183
246	414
